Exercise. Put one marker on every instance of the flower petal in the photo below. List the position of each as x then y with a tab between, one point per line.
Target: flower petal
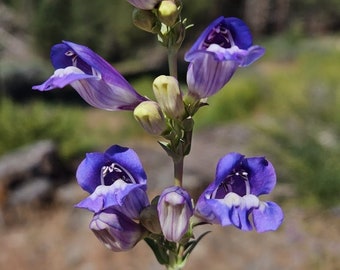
206	75
268	217
62	77
116	231
128	159
174	211
128	199
240	208
213	211
89	171
261	173
225	166
254	53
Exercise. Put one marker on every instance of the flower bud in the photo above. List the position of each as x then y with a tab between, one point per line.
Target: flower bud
149	219
146	20
174	210
169	96
116	231
168	12
150	116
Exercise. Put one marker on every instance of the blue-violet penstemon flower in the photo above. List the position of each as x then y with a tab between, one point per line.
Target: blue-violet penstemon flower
224	45
233	196
174	211
96	81
114	179
116	182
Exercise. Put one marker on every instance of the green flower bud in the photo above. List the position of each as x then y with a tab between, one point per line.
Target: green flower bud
150	116
169	96
168	12
149	219
146	20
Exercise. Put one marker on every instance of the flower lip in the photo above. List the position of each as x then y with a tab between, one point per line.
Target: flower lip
225	32
117	162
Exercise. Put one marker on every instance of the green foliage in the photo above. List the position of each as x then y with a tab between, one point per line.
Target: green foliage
303	105
22	124
236	100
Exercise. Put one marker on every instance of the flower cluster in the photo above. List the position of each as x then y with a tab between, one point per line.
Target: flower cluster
116	181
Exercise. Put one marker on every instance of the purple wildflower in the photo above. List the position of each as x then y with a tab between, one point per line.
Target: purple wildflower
96	81
115	179
233	196
224	45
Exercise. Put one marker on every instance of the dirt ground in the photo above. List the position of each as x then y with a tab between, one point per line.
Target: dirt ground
59	238
56	237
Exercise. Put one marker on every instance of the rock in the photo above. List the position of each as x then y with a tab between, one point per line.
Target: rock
34	191
29	160
30	173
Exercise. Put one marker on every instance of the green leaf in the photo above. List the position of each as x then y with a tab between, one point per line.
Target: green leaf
159	251
189	247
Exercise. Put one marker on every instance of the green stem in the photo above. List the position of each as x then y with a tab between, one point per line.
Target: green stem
172	61
178	171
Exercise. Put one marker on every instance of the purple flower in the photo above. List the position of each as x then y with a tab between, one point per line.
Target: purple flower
233	196
174	211
116	182
116	231
225	45
115	179
96	81
144	4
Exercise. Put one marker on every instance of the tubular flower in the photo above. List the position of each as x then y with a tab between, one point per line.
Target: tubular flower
224	45
233	196
96	81
174	211
144	4
116	231
115	179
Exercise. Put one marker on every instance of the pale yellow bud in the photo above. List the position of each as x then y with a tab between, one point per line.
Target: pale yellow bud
169	96
150	116
168	12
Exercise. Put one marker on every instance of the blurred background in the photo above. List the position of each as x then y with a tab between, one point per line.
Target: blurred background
285	106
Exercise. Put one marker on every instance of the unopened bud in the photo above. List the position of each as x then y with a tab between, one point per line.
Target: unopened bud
146	20
150	116
175	210
169	96
149	219
168	12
